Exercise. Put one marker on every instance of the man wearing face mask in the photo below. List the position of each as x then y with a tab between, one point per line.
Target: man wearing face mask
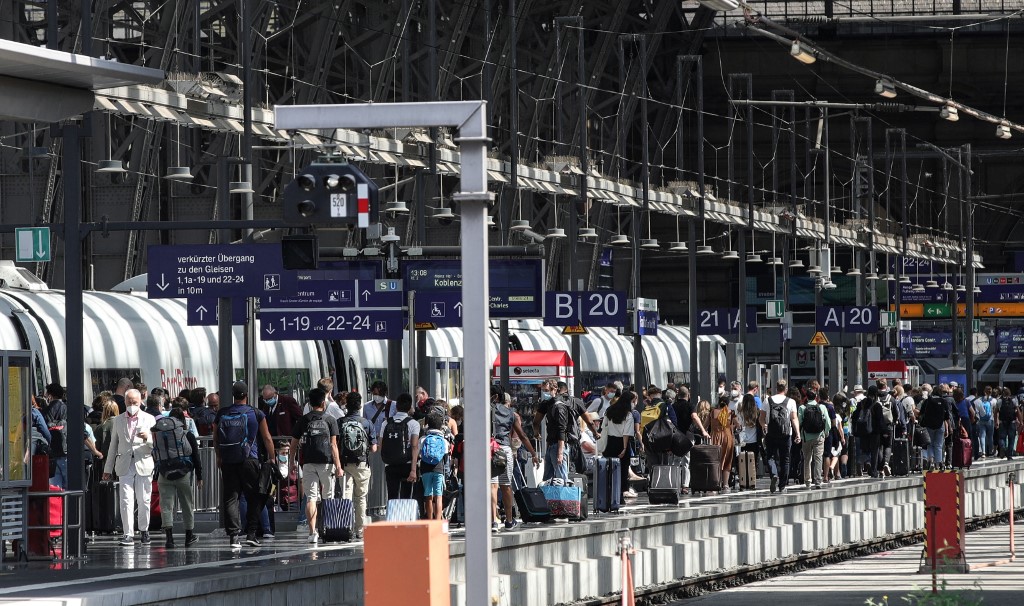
130	455
600	405
378	410
735	395
282	411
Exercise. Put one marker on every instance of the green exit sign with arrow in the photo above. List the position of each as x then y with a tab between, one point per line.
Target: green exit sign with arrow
32	244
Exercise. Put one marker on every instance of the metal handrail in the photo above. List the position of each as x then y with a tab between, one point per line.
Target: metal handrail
65	525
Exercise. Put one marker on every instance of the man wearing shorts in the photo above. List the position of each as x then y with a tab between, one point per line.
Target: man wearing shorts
504	421
315	438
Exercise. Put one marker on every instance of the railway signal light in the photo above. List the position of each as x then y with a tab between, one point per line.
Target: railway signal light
331	192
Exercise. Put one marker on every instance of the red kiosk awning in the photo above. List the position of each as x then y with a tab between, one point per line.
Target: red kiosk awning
536	358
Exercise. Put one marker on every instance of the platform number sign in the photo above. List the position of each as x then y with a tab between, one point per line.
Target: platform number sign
854	319
724	320
585	308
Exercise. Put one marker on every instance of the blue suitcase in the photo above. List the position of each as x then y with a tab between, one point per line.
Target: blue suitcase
338	516
607	485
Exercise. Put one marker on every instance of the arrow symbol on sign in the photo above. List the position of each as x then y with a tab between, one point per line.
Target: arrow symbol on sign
201	310
270	329
162	285
366	295
458	307
40	250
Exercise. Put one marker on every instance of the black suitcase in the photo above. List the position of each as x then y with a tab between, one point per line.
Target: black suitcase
533	507
104	507
899	462
665	483
706	468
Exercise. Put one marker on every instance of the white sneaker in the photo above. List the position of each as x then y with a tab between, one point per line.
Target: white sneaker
629	494
313	539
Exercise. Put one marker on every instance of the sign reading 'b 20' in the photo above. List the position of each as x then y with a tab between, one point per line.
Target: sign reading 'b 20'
586	308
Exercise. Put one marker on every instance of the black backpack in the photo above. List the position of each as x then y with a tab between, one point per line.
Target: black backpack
864	424
1008	411
778	418
316	440
814	422
932	413
394	442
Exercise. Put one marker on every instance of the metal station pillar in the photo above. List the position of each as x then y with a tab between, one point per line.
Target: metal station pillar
854	368
835	370
734	356
708	371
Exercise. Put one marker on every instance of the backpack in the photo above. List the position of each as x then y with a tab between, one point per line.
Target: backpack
355	444
887	413
1008	411
984	406
233	437
433	448
864	425
814	422
316	440
204	419
394	442
650	414
778	418
172	452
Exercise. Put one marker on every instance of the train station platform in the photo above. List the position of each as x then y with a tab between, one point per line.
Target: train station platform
537	564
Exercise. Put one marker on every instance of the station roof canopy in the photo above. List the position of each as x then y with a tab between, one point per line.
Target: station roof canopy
44	85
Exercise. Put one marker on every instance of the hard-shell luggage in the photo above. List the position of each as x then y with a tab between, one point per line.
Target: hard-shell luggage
338	517
104	507
899	463
748	470
45	511
607	484
706	468
963	453
665	483
533	507
403	510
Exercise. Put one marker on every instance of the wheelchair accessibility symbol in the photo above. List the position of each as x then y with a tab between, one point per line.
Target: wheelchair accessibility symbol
437	309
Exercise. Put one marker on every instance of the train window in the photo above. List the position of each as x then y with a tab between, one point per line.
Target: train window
353	375
105	379
295	382
378	374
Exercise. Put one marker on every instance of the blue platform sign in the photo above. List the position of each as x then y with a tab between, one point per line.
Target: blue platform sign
930	344
214	270
203	311
852	318
585	308
724	320
441	308
1010	341
298	324
516	285
646	322
335	294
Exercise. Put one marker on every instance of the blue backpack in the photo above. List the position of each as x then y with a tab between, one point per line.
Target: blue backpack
434	448
233	437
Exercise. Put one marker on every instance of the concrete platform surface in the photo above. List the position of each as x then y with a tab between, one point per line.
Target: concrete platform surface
889	576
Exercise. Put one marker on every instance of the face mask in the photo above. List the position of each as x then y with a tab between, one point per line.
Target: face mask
378	399
721	390
545	396
924	394
283	458
272	401
132	410
735	393
608	398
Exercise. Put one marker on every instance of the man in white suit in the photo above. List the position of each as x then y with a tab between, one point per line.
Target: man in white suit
131	456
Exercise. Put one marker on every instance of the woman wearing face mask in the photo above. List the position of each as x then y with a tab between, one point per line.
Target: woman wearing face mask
288	487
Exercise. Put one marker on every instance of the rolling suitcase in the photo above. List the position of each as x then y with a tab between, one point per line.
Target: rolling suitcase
607	484
665	483
748	470
533	506
104	507
403	510
706	468
963	453
899	463
337	518
581	480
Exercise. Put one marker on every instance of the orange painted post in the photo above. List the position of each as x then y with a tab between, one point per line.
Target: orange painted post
406	563
946	527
